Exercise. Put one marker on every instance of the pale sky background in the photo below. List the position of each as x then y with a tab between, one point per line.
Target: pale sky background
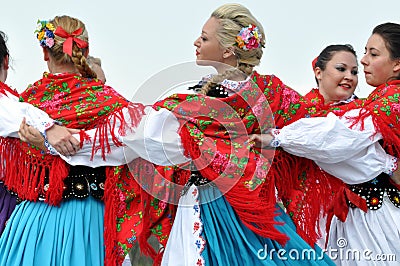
136	40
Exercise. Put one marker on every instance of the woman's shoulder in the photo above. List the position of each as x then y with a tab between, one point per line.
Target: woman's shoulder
269	80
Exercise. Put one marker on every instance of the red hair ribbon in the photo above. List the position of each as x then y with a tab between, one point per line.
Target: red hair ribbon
70	38
314	62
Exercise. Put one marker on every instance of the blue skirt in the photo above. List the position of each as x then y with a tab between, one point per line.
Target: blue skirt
230	242
39	234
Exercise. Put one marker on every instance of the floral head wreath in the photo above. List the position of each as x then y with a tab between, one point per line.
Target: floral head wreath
45	33
249	38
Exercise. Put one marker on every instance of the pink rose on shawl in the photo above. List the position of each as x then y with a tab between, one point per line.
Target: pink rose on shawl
105	91
260	171
230	168
396	107
289	96
257	109
122	203
52	105
196	131
193	120
162	204
120	251
219	162
59	95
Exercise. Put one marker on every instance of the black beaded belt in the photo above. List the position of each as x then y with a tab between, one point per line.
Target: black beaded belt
81	182
373	191
195	179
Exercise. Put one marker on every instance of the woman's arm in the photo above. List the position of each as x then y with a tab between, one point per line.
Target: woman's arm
327	139
12	112
155	139
351	154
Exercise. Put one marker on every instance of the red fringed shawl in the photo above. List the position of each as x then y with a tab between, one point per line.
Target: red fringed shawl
318	194
215	133
383	105
79	103
305	190
296	177
4	88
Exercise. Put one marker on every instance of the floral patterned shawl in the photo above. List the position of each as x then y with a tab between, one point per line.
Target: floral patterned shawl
383	105
215	135
79	103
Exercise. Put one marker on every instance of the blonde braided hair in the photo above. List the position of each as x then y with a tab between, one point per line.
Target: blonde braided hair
232	18
78	58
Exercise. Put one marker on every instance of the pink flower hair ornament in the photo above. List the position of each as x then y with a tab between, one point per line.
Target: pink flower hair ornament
249	38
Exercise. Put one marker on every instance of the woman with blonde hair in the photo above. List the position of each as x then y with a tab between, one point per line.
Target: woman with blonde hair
69	214
222	211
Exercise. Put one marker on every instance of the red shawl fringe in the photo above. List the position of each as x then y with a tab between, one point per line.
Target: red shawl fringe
25	174
239	199
305	190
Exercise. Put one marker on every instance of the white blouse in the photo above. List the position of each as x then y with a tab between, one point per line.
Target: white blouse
350	154
12	111
155	139
353	155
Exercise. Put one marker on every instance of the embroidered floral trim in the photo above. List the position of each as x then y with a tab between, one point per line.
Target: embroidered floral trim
45	33
233	86
392	167
50	148
249	38
275	142
200	242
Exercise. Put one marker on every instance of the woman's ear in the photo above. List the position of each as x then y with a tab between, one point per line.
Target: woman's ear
228	52
45	54
317	73
6	62
396	67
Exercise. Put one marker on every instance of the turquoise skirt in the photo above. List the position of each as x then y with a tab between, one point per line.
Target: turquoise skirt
68	235
230	242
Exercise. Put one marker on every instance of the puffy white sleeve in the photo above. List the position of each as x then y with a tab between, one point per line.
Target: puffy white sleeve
12	111
362	167
327	139
353	155
155	139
